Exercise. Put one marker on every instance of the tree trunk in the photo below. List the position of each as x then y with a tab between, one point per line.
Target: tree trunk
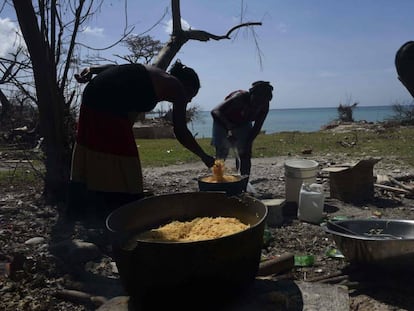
50	104
169	51
5	106
177	40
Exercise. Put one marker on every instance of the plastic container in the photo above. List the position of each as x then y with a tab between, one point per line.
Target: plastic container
298	171
274	211
311	202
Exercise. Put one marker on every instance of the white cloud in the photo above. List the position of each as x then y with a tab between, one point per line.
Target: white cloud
9	37
94	31
168	27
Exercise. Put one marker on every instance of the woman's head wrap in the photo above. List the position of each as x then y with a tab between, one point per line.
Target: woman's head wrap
404	60
262	88
185	74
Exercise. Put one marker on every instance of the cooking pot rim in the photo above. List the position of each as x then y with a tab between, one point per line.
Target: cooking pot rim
259	222
362	237
242	178
206	241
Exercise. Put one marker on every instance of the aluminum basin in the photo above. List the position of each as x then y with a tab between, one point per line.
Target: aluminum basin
384	242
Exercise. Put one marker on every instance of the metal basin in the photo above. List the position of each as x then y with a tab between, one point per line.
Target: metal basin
384	242
178	272
230	188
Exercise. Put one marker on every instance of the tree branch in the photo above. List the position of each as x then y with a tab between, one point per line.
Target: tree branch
201	35
176	17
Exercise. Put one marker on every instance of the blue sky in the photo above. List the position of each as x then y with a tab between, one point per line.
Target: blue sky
316	53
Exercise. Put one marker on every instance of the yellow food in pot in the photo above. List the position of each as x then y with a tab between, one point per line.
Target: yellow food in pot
200	228
218	174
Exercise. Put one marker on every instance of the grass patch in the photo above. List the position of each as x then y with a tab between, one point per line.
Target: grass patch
394	142
163	152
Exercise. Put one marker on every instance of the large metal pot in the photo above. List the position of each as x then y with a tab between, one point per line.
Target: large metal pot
388	243
230	188
180	272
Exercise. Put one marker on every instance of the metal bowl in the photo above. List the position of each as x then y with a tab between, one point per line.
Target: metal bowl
230	188
176	272
384	242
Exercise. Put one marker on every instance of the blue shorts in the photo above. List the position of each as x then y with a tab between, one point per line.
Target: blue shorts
222	144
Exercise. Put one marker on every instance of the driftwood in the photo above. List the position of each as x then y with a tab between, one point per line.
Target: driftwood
394	181
404	177
323	278
390	183
279	264
393	189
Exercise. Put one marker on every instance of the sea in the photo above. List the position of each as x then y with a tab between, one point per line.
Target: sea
298	119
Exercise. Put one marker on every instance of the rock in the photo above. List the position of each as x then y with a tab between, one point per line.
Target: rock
35	241
76	251
114	267
120	303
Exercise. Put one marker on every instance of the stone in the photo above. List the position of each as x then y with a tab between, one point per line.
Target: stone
34	241
76	251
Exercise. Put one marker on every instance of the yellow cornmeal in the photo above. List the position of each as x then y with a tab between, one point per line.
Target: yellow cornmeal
224	178
200	228
218	174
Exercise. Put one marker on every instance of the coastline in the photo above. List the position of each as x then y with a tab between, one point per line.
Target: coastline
297	120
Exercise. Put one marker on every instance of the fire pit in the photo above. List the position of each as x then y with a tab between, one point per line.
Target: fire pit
388	243
184	272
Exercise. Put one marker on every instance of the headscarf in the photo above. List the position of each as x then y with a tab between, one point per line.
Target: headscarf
259	86
262	89
404	60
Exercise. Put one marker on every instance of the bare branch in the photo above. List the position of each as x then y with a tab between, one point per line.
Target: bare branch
259	51
77	18
109	46
201	35
3	4
243	25
156	23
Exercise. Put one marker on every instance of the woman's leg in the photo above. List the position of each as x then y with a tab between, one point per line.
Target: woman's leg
244	149
245	163
220	141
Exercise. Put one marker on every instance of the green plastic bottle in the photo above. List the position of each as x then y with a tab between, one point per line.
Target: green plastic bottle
304	261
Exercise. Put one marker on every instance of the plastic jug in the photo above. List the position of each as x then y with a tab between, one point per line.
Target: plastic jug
311	202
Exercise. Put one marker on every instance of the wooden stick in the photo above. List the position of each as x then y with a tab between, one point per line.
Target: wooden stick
325	277
336	279
408	188
276	265
394	189
404	177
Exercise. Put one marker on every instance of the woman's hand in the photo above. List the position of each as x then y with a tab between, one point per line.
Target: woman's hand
208	161
84	76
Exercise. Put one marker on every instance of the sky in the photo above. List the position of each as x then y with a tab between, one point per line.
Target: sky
316	53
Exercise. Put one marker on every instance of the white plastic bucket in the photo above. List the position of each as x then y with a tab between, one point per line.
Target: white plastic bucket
298	171
274	211
311	203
